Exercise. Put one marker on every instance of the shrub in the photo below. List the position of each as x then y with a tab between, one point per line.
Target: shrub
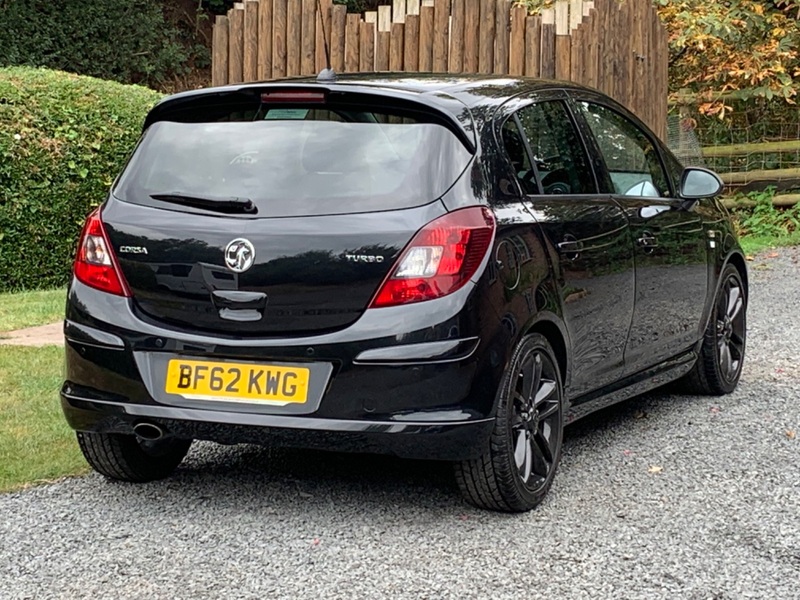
63	139
123	40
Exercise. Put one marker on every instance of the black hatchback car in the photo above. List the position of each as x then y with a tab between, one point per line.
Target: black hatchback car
437	267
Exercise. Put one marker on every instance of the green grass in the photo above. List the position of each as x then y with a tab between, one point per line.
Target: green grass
752	244
36	444
27	309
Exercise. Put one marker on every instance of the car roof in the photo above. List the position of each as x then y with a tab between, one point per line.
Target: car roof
448	93
471	90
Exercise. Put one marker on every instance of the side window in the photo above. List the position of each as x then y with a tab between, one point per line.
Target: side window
559	158
631	158
518	157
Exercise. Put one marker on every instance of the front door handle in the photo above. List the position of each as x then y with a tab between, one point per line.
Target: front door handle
647	242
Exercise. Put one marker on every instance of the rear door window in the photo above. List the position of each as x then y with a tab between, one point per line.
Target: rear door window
557	155
299	160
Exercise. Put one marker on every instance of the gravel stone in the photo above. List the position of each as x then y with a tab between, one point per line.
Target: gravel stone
661	496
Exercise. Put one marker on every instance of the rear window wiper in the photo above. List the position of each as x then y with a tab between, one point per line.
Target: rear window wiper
223	205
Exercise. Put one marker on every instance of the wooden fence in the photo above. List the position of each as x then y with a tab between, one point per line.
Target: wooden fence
616	46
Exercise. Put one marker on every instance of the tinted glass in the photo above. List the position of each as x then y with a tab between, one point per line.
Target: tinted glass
299	162
558	153
518	157
631	159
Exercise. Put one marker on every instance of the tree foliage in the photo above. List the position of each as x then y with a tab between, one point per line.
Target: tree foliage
736	48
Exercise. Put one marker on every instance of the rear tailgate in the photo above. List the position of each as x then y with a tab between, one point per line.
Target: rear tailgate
336	190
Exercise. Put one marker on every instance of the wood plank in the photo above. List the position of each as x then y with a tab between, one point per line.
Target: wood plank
547	64
366	38
516	46
399	11
486	35
662	68
576	42
324	28
219	57
293	37
250	45
729	150
338	35
384	18
563	40
382	50
352	46
396	46
472	20
426	15
455	61
411	43
760	175
563	58
308	38
412	7
502	27
638	51
235	45
265	40
533	46
575	13
592	45
441	35
622	56
279	15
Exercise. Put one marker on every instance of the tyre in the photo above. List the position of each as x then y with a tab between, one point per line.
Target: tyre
126	458
719	365
516	472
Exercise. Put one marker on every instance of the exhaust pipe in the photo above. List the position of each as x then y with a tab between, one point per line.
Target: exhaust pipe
149	432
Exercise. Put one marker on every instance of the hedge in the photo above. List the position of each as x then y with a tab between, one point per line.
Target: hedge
129	41
63	139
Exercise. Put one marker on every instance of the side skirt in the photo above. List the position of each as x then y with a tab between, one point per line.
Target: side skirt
631	386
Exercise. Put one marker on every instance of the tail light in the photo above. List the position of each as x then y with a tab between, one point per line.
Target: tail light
95	264
440	259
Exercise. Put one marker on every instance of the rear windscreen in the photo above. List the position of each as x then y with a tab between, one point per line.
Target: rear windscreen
298	161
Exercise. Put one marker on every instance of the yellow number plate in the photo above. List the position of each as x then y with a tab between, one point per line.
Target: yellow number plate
237	382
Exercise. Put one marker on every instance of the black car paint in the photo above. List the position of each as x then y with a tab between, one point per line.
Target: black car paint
435	401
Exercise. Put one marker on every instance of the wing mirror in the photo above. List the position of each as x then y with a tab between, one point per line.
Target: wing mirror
698	184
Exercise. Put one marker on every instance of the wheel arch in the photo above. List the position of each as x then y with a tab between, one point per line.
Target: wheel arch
556	337
738	261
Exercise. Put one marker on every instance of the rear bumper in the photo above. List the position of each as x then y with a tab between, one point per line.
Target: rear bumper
424	391
446	440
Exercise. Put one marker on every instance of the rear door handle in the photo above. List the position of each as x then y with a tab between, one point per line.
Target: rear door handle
570	248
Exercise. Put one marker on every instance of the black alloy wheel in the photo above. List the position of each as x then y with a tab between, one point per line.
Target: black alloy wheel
516	472
721	358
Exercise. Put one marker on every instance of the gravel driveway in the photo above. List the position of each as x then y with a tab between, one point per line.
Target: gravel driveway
663	496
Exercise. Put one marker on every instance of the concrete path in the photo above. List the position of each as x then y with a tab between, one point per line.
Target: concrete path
43	335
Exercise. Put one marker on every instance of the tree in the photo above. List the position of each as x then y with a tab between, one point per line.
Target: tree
735	48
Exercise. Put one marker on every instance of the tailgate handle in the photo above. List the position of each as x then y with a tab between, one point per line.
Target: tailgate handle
238	300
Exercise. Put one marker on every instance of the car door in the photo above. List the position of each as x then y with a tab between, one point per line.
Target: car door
668	237
587	234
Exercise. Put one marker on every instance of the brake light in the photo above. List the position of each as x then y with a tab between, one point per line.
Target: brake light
95	264
296	96
440	259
